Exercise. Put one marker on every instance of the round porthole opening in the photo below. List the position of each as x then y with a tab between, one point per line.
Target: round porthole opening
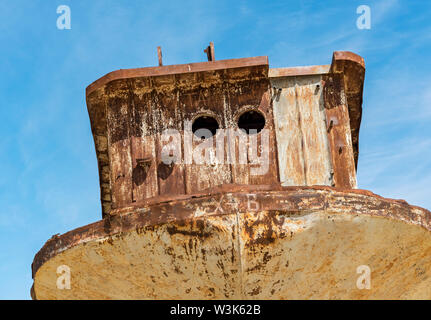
251	122
205	127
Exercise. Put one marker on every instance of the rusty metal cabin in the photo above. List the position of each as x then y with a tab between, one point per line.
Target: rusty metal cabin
312	114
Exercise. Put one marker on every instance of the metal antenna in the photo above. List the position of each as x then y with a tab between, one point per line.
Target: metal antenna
159	54
210	52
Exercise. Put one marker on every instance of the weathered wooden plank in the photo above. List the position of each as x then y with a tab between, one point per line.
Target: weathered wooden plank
288	132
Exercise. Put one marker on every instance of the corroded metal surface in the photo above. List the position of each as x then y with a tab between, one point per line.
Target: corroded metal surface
130	108
302	143
351	67
236	242
298	71
184	69
338	130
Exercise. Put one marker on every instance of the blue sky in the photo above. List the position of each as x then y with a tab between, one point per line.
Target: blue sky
49	179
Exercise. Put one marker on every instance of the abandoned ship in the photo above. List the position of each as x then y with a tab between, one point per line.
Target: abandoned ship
271	211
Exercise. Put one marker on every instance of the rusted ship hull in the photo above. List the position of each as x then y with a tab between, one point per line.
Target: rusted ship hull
246	242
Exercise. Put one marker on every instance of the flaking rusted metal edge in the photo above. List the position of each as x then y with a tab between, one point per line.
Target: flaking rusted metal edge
133	218
298	71
176	69
352	66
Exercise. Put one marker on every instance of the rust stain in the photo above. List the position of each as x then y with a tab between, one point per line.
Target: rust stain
270	198
338	124
259	230
129	109
298	71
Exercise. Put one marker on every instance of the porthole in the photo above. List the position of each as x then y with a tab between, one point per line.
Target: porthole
251	121
205	127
